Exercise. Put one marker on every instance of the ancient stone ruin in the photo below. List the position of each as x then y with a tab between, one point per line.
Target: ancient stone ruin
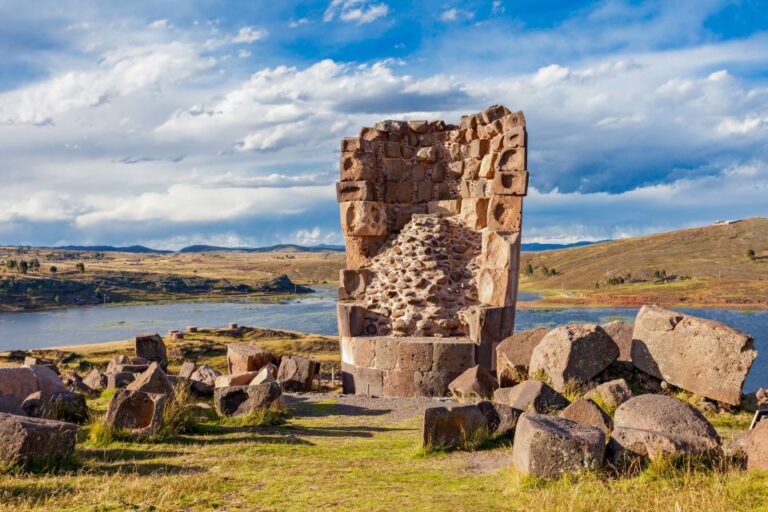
431	215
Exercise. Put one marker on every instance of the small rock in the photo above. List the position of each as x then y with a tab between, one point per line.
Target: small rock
95	380
587	412
513	355
151	347
612	393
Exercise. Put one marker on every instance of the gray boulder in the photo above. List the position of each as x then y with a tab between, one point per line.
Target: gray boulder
531	396
243	400
153	380
549	447
573	353
621	334
474	384
658	426
138	412
35	442
59	405
587	412
513	355
452	426
95	380
151	347
612	393
702	356
500	418
297	373
244	357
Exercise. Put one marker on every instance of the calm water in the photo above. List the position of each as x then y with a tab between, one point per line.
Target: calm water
316	314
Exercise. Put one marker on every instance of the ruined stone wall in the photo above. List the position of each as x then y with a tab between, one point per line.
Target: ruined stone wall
431	215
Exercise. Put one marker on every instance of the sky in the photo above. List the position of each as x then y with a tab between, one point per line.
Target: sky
212	122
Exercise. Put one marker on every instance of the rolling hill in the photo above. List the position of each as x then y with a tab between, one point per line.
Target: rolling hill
706	265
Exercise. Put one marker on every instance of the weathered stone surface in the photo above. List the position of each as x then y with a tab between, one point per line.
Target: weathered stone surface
701	356
119	380
238	379
500	418
397	383
95	380
187	369
513	355
414	355
362	381
497	286
573	353
243	400
451	354
531	395
612	393
138	412
501	250
474	384
474	211
513	183
587	412
47	379
35	442
621	334
244	357
549	447
205	374
152	348
9	404
363	218
18	382
266	374
355	191
505	213
350	317
453	426
432	383
659	425
59	405
297	373
153	380
757	447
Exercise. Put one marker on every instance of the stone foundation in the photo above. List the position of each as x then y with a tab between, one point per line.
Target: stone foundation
431	215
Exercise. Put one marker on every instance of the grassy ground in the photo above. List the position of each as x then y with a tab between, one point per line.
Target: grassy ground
344	453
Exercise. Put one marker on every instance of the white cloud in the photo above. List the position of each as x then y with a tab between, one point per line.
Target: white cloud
358	11
550	75
248	35
732	126
498	7
454	14
299	22
158	24
243	53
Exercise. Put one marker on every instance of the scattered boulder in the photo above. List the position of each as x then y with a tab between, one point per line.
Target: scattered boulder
549	447
35	442
153	380
296	373
151	347
187	369
500	418
74	383
513	355
95	380
239	379
531	396
243	400
454	426
475	383
120	380
701	356
9	404
59	405
621	334
47	379
587	412
612	393
761	396
266	374
757	446
658	426
573	353
138	412
203	380
116	361
18	382
244	357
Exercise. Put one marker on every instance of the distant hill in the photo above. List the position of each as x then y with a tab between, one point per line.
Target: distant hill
707	264
109	248
271	248
537	247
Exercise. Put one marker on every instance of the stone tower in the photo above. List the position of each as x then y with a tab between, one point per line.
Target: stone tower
431	215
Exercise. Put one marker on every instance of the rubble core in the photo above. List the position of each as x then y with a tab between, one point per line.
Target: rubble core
431	215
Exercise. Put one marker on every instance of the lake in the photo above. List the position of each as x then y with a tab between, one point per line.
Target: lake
315	313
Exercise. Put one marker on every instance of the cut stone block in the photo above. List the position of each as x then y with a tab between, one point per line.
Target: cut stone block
701	356
621	333
386	352
297	373
187	369
153	380
474	211
355	191
414	355
497	286
501	250
120	380
500	418
474	384
35	442
10	405
549	447
244	357
487	165
152	348
363	218
59	405
531	396
360	249
757	447
515	138
238	379
18	382
512	159
587	412
454	426
237	401
505	213
362	381
510	183
136	411
451	355
432	383
351	319
513	355
397	383
358	166
445	207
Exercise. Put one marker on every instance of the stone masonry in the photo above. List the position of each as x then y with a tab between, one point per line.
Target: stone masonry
431	215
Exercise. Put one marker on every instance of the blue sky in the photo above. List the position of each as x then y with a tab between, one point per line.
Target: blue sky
182	122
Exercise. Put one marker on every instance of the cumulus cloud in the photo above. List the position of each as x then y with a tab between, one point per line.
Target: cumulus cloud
247	35
454	14
358	11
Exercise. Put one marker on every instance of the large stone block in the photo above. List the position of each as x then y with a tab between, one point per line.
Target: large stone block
701	356
364	352
512	159
355	191
487	165
363	381
531	395
297	373
386	352
505	213
237	401
549	447
136	411
501	418
587	412
237	379
415	355
153	380
358	166
353	283
757	447
446	207
432	383
487	326
398	383
363	218
351	319
474	211
453	355
513	355
18	382
35	442
510	183
497	286
152	348
621	333
474	384
515	138
573	353
361	249
501	250
454	426
244	357
59	405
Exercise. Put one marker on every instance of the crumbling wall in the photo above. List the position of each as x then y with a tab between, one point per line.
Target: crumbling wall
431	215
